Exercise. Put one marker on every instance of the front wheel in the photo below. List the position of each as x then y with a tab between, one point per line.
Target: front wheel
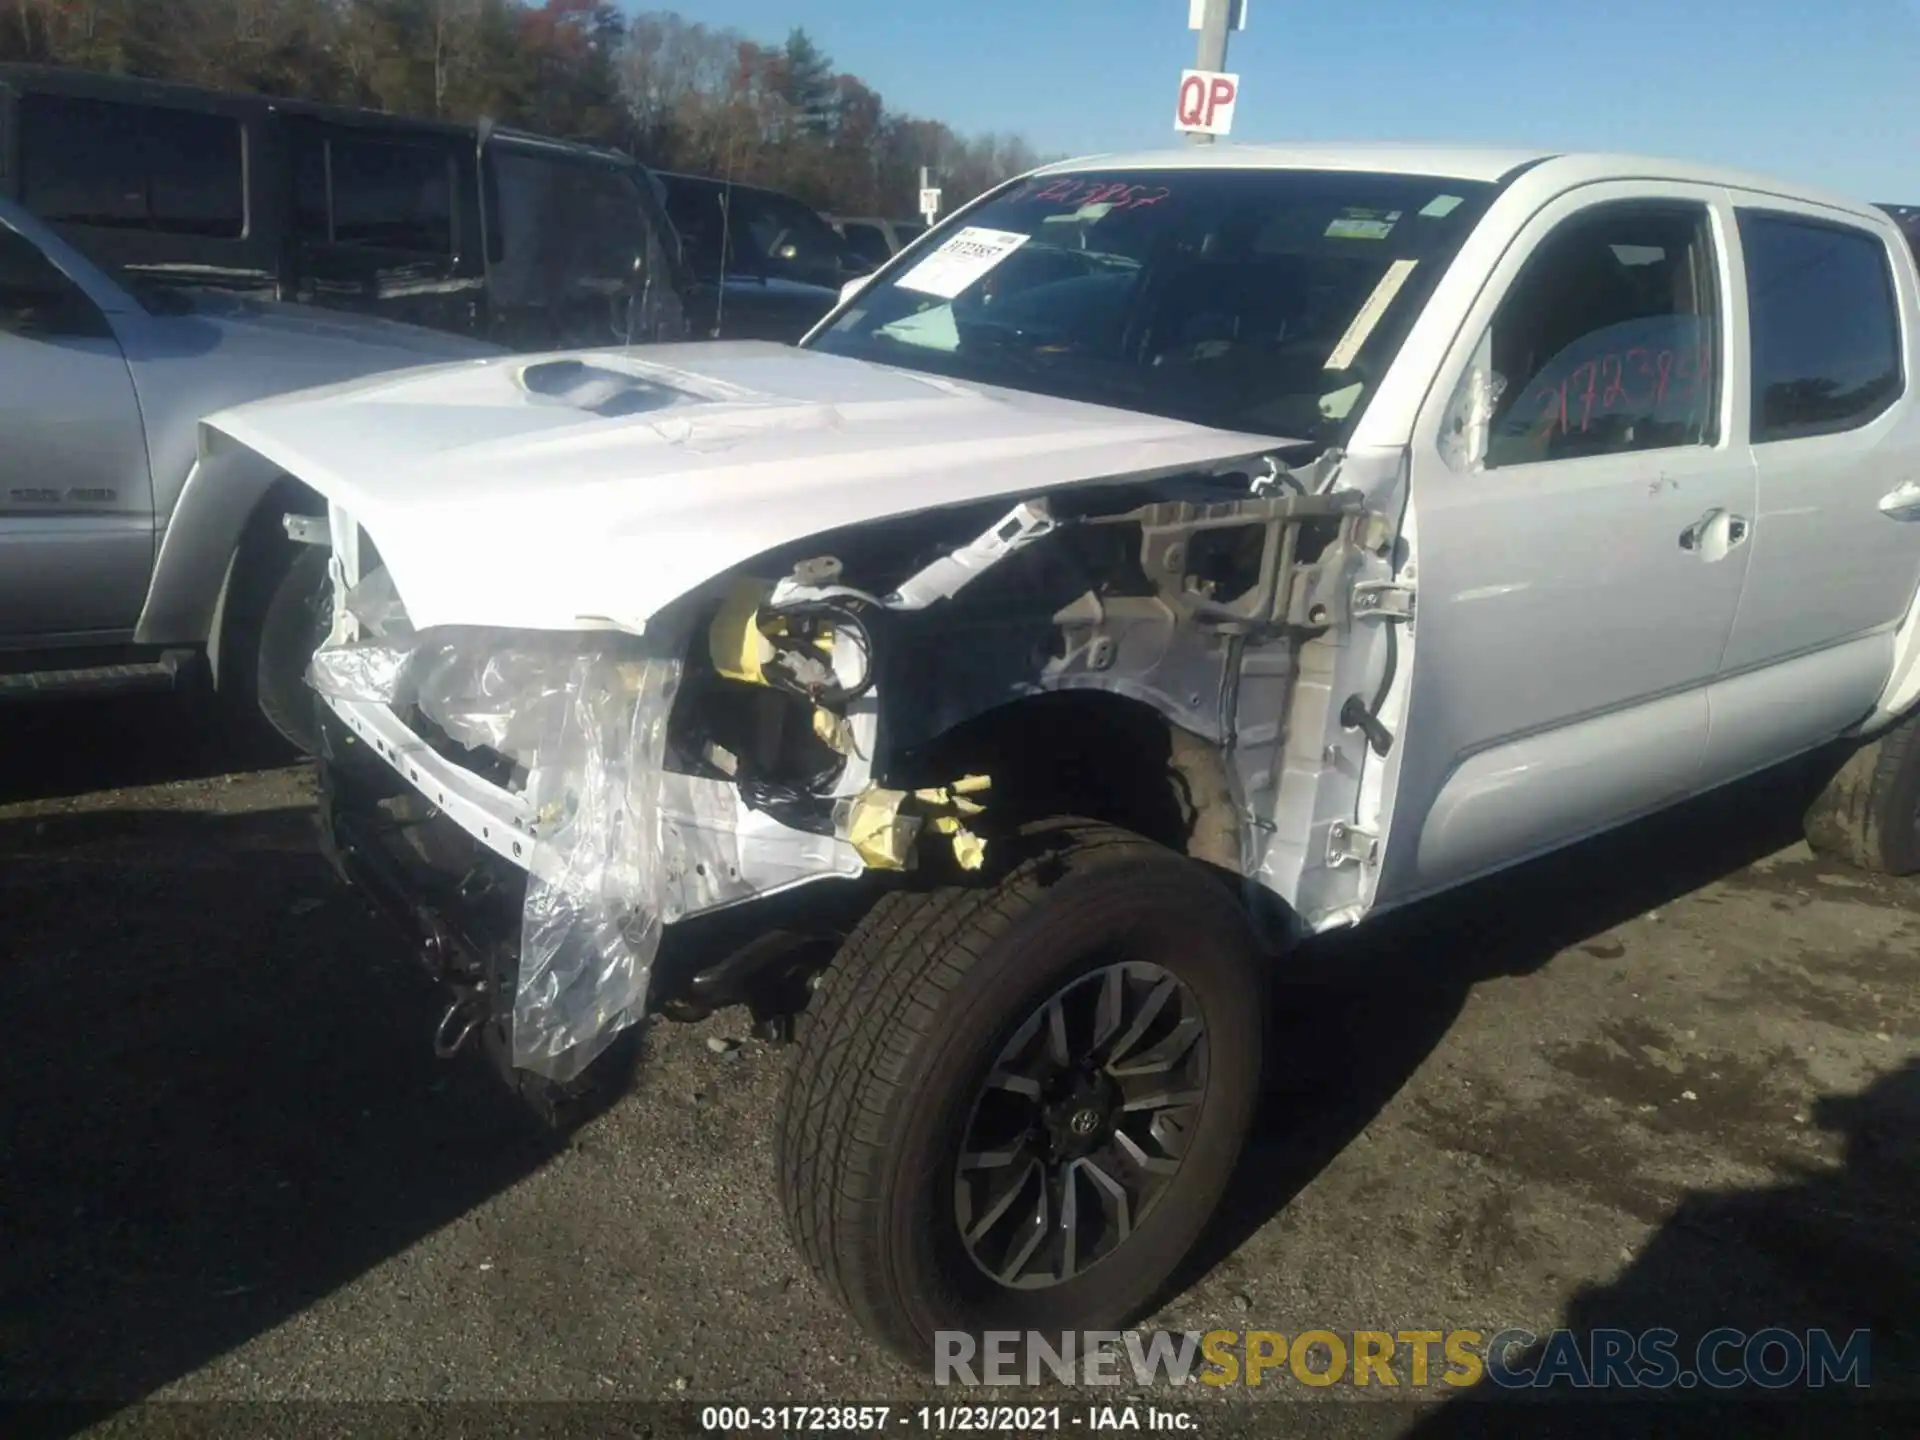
291	629
1016	1107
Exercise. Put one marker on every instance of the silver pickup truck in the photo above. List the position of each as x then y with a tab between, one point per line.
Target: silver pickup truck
111	578
1167	558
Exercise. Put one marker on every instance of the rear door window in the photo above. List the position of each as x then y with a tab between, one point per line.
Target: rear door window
1825	325
376	194
115	165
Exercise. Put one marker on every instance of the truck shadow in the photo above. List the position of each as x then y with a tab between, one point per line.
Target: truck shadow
222	1106
1837	1250
1359	1011
61	748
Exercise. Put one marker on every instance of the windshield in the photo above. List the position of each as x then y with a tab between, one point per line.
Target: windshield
1267	301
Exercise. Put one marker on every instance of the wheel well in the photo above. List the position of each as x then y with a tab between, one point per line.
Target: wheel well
1099	756
260	556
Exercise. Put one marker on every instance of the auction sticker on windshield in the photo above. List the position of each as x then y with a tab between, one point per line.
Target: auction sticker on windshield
962	260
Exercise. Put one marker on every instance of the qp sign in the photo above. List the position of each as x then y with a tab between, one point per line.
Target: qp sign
1207	98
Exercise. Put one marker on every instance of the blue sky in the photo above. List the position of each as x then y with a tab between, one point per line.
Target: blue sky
1823	91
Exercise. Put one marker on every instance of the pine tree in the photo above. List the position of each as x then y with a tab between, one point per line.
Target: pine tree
808	84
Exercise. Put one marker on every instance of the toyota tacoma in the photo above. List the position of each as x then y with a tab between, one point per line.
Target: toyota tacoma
1166	559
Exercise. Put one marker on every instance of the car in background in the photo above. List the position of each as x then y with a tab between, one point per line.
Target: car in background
764	265
122	565
875	240
524	241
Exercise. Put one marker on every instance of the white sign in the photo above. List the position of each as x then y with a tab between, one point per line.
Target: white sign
961	261
929	204
1197	15
1207	98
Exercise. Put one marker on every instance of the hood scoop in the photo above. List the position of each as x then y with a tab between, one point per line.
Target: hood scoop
598	389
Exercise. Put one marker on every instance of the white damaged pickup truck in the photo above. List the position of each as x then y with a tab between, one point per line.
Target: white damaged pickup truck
1166	558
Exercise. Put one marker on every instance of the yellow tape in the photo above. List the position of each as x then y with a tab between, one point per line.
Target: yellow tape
734	641
833	731
883	837
970	850
880	835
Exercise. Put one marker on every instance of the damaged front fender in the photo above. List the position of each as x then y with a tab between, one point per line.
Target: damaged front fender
767	731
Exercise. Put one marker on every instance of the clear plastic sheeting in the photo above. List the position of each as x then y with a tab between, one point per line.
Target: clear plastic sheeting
507	691
1467	427
585	717
375	602
592	921
372	669
365	670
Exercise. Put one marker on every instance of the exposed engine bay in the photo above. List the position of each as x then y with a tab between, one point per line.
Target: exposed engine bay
869	702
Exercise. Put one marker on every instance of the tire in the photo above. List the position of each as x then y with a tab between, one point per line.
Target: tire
1869	814
915	1010
290	630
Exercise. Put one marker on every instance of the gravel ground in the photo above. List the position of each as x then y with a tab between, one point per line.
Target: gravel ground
1669	1078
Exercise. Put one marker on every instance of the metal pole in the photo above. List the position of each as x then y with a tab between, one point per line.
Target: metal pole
1212	54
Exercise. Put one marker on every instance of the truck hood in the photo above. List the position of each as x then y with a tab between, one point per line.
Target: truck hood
591	488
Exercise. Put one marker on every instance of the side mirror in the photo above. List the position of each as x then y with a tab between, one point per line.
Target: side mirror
853	287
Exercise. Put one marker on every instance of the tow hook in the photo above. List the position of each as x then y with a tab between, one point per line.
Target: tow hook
456	1027
468	1010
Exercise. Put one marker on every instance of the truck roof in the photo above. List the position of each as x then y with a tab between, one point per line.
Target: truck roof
1484	163
132	89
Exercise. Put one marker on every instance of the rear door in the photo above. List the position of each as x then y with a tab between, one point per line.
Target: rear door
1836	445
1582	497
76	497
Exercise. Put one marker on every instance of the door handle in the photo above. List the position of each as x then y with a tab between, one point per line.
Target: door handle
1714	534
1902	502
1690	537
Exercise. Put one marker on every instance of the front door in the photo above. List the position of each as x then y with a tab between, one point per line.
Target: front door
76	499
1582	500
573	258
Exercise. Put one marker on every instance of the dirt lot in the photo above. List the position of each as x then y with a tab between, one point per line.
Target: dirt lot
1667	1079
